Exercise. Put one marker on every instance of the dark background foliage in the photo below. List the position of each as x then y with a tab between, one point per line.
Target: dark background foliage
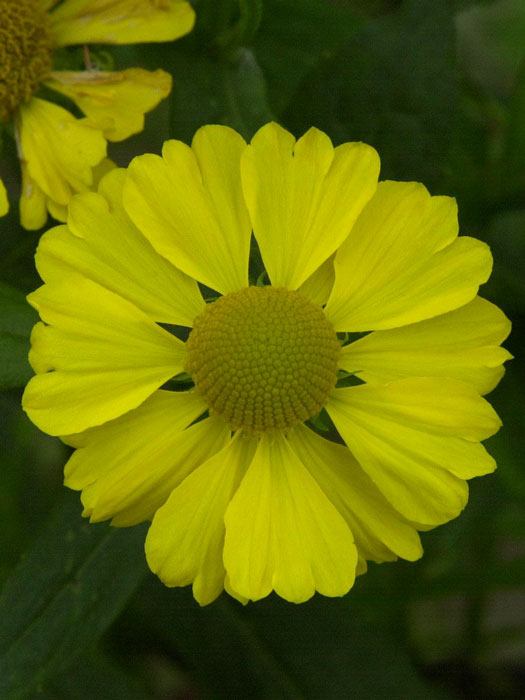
438	87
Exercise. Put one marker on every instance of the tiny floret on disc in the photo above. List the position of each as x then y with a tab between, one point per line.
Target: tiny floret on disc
264	358
25	52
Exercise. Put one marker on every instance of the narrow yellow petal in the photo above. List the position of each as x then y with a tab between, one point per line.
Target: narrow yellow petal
33	210
304	197
59	150
4	202
100	170
57	211
417	439
114	102
319	285
185	540
189	206
462	344
120	21
34	202
380	532
283	534
102	244
128	467
106	357
403	262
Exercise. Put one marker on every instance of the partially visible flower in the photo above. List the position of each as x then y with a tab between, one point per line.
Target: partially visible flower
271	450
59	153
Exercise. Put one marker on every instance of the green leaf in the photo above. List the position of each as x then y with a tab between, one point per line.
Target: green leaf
220	650
31	472
94	675
213	18
208	90
340	660
16	320
63	595
393	86
514	156
325	648
506	237
491	43
507	444
294	37
244	30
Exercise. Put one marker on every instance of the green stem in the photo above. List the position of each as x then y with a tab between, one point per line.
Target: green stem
214	16
243	32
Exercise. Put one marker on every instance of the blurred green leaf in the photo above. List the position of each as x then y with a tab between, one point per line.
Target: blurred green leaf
506	237
221	651
16	320
63	595
491	43
209	90
31	472
474	172
507	445
242	32
340	659
392	86
213	17
94	675
514	156
325	648
16	316
294	37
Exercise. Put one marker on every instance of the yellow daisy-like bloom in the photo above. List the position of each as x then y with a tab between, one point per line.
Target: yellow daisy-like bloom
198	401
61	155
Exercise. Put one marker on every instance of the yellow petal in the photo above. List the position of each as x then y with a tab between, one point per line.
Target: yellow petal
304	197
417	440
59	150
283	534
4	202
101	170
107	357
380	532
185	541
362	566
120	21
114	102
35	206
189	205
319	285
34	202
57	211
462	344
33	211
128	467
104	246
402	262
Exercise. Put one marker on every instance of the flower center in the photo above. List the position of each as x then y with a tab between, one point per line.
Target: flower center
264	358
25	52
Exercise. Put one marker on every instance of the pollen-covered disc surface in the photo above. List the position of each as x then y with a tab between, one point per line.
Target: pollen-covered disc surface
25	52
264	358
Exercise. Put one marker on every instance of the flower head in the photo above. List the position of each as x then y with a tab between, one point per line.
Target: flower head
61	155
279	429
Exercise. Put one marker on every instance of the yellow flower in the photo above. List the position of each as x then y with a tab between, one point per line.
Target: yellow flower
61	155
272	450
